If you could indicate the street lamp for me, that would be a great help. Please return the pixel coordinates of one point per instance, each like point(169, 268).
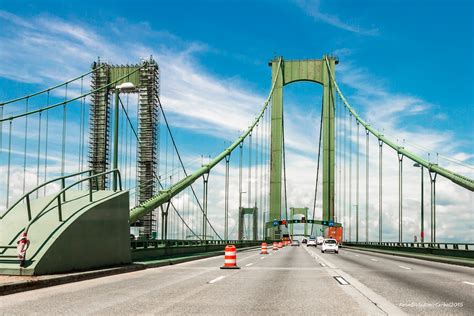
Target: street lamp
point(422, 235)
point(125, 87)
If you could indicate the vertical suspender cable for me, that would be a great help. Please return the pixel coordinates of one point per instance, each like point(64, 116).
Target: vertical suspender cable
point(350, 177)
point(226, 216)
point(9, 162)
point(26, 141)
point(262, 139)
point(433, 206)
point(249, 188)
point(400, 197)
point(63, 149)
point(83, 128)
point(46, 145)
point(256, 167)
point(257, 182)
point(366, 185)
point(345, 177)
point(240, 179)
point(81, 131)
point(336, 157)
point(380, 190)
point(39, 152)
point(357, 185)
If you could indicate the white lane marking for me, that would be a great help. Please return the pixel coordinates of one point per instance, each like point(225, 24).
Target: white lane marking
point(406, 268)
point(356, 255)
point(470, 283)
point(374, 259)
point(216, 279)
point(341, 280)
point(322, 264)
point(248, 264)
point(262, 257)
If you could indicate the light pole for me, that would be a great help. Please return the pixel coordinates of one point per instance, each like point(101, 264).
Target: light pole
point(422, 234)
point(124, 87)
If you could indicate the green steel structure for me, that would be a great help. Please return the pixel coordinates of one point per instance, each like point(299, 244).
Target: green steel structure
point(144, 80)
point(299, 211)
point(251, 211)
point(285, 72)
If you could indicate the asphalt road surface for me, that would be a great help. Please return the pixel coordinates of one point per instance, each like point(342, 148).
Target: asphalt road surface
point(293, 280)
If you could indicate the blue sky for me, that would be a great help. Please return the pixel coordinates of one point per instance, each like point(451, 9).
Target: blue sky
point(406, 66)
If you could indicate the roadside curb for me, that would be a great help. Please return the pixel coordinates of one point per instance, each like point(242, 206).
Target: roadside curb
point(455, 261)
point(53, 280)
point(6, 289)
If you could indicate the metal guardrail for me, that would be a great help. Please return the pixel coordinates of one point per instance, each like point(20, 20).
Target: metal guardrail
point(26, 196)
point(438, 245)
point(57, 197)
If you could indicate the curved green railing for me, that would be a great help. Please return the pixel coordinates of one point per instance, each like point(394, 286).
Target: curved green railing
point(166, 195)
point(26, 196)
point(454, 177)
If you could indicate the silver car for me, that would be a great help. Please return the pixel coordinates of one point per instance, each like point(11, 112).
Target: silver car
point(311, 241)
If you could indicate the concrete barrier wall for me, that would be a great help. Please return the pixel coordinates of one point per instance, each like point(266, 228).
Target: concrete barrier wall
point(458, 253)
point(165, 252)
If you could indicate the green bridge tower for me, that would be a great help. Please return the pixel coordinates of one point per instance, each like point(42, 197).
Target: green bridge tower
point(313, 70)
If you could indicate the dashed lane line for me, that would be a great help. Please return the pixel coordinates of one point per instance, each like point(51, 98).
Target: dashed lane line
point(403, 267)
point(216, 279)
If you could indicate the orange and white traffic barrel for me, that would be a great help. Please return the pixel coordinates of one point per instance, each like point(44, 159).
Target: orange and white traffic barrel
point(280, 245)
point(264, 249)
point(275, 246)
point(230, 258)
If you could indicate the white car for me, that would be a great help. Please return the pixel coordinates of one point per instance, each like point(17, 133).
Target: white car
point(319, 240)
point(330, 245)
point(311, 241)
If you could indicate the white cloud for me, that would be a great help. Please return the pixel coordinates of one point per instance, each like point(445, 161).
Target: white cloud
point(312, 8)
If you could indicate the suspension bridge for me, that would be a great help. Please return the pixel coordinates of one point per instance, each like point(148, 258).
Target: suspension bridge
point(94, 177)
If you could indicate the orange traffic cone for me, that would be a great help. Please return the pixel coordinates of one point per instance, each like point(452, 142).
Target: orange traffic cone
point(275, 246)
point(230, 258)
point(280, 245)
point(264, 249)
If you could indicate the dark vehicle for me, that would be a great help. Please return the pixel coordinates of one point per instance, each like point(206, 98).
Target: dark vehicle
point(295, 243)
point(304, 240)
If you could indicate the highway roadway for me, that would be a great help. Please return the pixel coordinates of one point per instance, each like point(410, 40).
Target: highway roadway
point(293, 280)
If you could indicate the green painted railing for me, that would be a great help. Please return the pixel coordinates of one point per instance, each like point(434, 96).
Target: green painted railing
point(26, 196)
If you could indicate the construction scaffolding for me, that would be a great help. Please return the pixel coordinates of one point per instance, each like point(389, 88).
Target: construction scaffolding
point(148, 147)
point(99, 119)
point(147, 83)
